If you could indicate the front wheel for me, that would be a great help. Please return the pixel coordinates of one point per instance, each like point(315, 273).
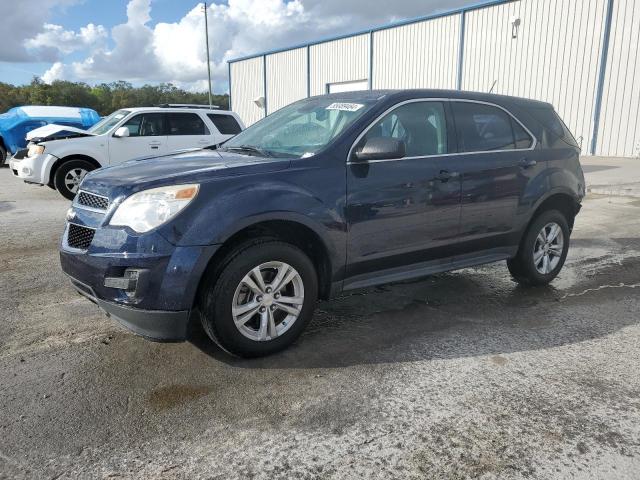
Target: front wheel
point(262, 299)
point(543, 250)
point(69, 175)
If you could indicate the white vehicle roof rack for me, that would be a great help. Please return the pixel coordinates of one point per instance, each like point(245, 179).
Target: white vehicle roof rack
point(188, 105)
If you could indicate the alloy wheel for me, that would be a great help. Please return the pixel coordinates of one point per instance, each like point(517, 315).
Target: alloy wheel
point(548, 248)
point(73, 178)
point(268, 301)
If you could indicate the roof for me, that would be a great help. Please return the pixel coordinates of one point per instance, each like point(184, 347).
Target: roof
point(178, 110)
point(447, 13)
point(434, 93)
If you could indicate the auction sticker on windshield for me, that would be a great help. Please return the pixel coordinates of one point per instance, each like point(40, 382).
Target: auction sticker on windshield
point(346, 107)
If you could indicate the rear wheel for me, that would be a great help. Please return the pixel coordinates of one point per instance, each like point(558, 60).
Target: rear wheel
point(69, 176)
point(261, 300)
point(543, 250)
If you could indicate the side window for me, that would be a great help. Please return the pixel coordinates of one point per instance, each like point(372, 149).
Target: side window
point(483, 128)
point(133, 125)
point(421, 125)
point(186, 124)
point(146, 125)
point(225, 124)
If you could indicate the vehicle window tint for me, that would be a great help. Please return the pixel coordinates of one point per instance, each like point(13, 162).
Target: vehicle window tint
point(549, 119)
point(146, 125)
point(483, 128)
point(523, 139)
point(421, 125)
point(186, 124)
point(225, 124)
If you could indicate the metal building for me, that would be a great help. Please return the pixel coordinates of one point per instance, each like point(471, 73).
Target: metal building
point(583, 56)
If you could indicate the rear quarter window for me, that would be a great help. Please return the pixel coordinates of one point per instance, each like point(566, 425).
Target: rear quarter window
point(226, 124)
point(549, 119)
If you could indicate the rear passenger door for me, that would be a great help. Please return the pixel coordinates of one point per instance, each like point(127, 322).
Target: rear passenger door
point(496, 162)
point(186, 130)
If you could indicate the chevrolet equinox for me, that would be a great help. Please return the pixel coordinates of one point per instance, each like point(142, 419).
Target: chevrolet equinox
point(328, 194)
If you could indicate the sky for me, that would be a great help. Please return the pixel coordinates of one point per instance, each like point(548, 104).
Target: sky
point(154, 41)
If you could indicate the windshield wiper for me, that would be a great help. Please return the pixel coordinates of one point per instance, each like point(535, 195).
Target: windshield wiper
point(249, 149)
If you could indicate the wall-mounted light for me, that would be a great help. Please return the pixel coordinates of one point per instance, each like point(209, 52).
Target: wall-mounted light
point(515, 26)
point(259, 101)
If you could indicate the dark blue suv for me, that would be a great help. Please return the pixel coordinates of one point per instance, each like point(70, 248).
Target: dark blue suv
point(328, 194)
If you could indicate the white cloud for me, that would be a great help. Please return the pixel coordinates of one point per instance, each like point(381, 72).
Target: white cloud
point(22, 20)
point(56, 72)
point(175, 52)
point(55, 40)
point(132, 57)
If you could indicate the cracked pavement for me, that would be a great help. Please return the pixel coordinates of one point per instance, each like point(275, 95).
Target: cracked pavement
point(461, 375)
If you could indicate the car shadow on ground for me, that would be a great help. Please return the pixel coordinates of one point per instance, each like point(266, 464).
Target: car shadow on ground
point(474, 312)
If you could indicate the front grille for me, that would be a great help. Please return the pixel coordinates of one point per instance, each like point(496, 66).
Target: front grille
point(93, 201)
point(80, 237)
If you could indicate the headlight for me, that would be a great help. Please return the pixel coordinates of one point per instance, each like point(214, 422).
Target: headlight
point(146, 210)
point(35, 150)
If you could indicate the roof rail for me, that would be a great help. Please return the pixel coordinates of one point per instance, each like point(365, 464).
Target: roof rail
point(187, 105)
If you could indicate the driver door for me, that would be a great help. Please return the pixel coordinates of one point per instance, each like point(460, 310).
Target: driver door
point(147, 137)
point(400, 211)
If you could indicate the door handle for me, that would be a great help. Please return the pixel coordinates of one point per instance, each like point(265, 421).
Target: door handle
point(445, 175)
point(527, 163)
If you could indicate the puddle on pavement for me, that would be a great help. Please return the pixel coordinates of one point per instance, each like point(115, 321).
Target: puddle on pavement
point(6, 206)
point(165, 398)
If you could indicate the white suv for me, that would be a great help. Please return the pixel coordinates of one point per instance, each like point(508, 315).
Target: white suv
point(60, 156)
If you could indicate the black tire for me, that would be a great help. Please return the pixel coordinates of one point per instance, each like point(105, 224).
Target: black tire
point(219, 287)
point(64, 169)
point(523, 267)
point(3, 156)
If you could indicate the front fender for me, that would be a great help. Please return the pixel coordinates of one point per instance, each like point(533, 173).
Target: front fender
point(217, 215)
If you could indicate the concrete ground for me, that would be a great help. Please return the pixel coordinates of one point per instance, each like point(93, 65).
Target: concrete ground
point(462, 375)
point(613, 176)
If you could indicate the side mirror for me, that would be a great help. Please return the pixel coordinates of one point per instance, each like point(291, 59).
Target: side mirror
point(121, 132)
point(380, 148)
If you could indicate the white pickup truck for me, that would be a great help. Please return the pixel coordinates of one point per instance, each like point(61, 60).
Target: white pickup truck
point(60, 156)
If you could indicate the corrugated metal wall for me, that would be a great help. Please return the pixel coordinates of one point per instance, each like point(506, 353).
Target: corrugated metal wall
point(620, 120)
point(285, 89)
point(247, 84)
point(341, 60)
point(555, 57)
point(420, 55)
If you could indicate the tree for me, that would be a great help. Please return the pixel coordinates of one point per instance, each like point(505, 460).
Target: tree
point(105, 98)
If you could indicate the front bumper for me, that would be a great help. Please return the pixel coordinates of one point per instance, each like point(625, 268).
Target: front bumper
point(34, 169)
point(158, 306)
point(152, 324)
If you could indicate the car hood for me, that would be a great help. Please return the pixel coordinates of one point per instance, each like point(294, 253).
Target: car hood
point(187, 167)
point(55, 132)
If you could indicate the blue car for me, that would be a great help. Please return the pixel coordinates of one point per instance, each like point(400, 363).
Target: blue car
point(17, 122)
point(326, 195)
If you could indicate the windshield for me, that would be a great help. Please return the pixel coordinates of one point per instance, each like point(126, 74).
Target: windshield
point(107, 123)
point(300, 129)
